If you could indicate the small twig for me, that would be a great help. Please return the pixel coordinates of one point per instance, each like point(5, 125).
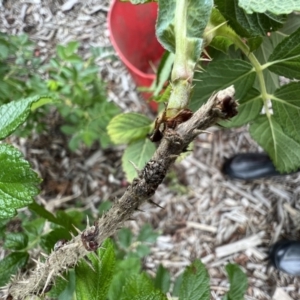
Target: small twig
point(280, 294)
point(292, 211)
point(200, 226)
point(219, 106)
point(240, 245)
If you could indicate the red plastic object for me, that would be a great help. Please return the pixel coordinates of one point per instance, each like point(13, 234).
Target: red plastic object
point(132, 33)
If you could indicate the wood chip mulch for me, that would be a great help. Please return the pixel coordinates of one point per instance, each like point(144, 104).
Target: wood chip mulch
point(205, 215)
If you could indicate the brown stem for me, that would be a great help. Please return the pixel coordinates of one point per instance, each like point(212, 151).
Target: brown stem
point(219, 106)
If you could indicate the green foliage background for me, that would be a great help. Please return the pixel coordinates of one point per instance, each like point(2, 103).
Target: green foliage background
point(249, 51)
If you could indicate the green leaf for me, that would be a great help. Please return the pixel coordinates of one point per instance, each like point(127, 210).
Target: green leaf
point(286, 105)
point(177, 285)
point(212, 79)
point(18, 182)
point(142, 250)
point(3, 223)
point(275, 6)
point(262, 54)
point(254, 42)
point(189, 31)
point(68, 129)
point(43, 101)
point(42, 212)
point(238, 282)
point(195, 283)
point(94, 284)
point(125, 237)
point(73, 59)
point(58, 287)
point(213, 37)
point(75, 142)
point(163, 72)
point(162, 279)
point(165, 96)
point(147, 234)
point(190, 21)
point(249, 108)
point(62, 218)
point(140, 287)
point(14, 113)
point(49, 240)
point(61, 285)
point(124, 269)
point(68, 292)
point(291, 24)
point(76, 216)
point(221, 43)
point(196, 19)
point(34, 228)
point(285, 59)
point(139, 152)
point(10, 264)
point(127, 127)
point(248, 25)
point(4, 51)
point(165, 31)
point(65, 220)
point(15, 241)
point(61, 52)
point(283, 150)
point(102, 114)
point(71, 48)
point(54, 63)
point(104, 206)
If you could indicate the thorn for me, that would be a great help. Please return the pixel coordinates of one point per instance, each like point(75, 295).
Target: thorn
point(198, 80)
point(209, 59)
point(154, 203)
point(206, 54)
point(63, 260)
point(198, 131)
point(89, 264)
point(87, 221)
point(206, 131)
point(62, 277)
point(135, 167)
point(95, 254)
point(47, 282)
point(36, 261)
point(44, 254)
point(205, 59)
point(78, 230)
point(214, 29)
point(23, 281)
point(173, 156)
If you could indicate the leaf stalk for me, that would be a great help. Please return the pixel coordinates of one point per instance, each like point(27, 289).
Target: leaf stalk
point(253, 60)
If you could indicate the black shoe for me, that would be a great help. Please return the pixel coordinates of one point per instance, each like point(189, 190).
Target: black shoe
point(249, 166)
